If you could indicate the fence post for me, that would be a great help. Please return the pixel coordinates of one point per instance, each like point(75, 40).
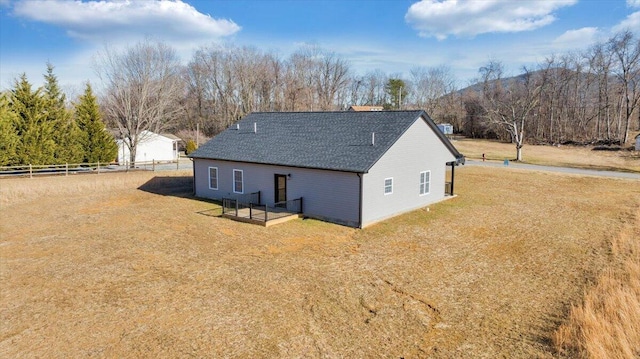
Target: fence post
point(236, 208)
point(301, 211)
point(30, 171)
point(98, 168)
point(66, 169)
point(266, 213)
point(250, 210)
point(153, 165)
point(178, 163)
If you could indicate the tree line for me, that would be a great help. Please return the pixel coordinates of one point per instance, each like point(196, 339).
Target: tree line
point(583, 97)
point(146, 88)
point(37, 127)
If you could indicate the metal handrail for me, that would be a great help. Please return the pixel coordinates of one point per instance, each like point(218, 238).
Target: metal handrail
point(234, 205)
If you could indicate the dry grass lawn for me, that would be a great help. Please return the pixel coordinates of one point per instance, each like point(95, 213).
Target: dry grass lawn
point(94, 266)
point(568, 156)
point(606, 324)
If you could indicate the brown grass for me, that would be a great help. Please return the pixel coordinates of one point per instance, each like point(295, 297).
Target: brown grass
point(607, 323)
point(567, 156)
point(93, 268)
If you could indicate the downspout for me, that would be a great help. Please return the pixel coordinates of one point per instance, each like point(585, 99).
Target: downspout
point(360, 202)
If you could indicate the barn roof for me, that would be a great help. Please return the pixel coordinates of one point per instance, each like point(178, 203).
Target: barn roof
point(340, 141)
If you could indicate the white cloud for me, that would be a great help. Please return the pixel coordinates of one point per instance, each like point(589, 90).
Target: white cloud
point(467, 18)
point(633, 3)
point(631, 23)
point(117, 21)
point(576, 39)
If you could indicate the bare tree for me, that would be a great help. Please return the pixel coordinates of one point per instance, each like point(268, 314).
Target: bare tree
point(430, 87)
point(626, 50)
point(509, 105)
point(331, 79)
point(374, 83)
point(143, 90)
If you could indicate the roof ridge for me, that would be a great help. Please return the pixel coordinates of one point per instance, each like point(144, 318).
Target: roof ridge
point(347, 112)
point(333, 140)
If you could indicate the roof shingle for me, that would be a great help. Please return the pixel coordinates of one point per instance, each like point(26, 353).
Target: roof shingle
point(338, 141)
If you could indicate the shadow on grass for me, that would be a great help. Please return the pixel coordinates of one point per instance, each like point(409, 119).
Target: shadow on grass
point(181, 187)
point(170, 186)
point(213, 212)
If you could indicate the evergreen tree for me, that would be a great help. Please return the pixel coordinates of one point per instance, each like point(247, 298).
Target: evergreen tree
point(8, 135)
point(98, 144)
point(36, 145)
point(66, 133)
point(397, 91)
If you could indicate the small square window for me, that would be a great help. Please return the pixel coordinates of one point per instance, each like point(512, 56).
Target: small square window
point(213, 177)
point(388, 186)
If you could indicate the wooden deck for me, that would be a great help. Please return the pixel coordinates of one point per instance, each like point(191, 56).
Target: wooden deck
point(257, 216)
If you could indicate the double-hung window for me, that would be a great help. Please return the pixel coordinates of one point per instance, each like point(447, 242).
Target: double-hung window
point(388, 186)
point(213, 177)
point(238, 183)
point(425, 179)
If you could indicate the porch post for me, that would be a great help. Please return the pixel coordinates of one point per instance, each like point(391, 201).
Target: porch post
point(453, 167)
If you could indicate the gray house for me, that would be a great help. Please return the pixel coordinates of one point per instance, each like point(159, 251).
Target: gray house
point(351, 168)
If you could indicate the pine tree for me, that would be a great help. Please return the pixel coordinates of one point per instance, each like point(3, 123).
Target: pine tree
point(66, 133)
point(36, 145)
point(8, 134)
point(98, 144)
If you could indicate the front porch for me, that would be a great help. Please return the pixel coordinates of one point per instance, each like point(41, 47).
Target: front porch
point(251, 211)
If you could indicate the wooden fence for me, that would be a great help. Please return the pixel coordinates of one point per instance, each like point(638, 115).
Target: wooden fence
point(78, 168)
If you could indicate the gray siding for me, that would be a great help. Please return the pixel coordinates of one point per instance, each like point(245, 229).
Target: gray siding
point(419, 149)
point(328, 195)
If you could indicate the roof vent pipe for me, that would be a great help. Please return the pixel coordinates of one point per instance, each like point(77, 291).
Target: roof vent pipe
point(373, 138)
point(255, 127)
point(237, 127)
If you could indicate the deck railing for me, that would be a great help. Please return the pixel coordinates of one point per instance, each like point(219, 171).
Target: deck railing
point(293, 206)
point(237, 207)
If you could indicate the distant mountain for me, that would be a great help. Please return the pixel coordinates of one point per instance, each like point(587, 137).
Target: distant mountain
point(478, 86)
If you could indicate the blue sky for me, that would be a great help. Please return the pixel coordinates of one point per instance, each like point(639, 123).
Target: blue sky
point(393, 36)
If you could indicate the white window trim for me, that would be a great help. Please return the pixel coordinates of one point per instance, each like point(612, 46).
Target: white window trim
point(427, 183)
point(241, 182)
point(385, 186)
point(217, 178)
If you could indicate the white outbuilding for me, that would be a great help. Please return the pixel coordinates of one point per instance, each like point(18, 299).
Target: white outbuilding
point(151, 147)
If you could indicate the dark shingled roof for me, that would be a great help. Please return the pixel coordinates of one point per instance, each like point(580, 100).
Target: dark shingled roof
point(339, 141)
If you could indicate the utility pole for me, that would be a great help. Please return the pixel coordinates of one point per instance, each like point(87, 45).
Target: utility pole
point(400, 98)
